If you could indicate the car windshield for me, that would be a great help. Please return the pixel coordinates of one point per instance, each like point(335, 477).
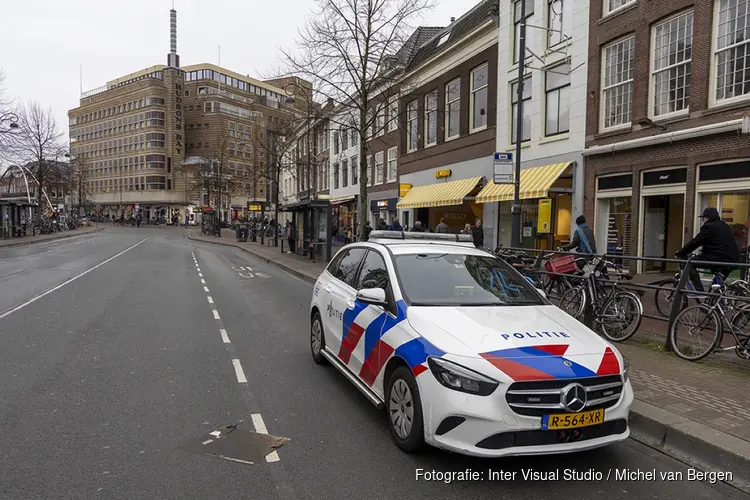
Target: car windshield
point(450, 279)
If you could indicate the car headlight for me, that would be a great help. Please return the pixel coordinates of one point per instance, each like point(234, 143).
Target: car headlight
point(460, 378)
point(625, 369)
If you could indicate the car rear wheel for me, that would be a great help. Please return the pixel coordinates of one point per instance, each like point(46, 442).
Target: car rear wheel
point(404, 407)
point(317, 339)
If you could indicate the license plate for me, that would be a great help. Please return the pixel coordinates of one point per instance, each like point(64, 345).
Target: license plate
point(572, 420)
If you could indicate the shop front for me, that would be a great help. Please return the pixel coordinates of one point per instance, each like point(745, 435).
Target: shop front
point(383, 206)
point(547, 201)
point(613, 219)
point(726, 187)
point(452, 201)
point(345, 220)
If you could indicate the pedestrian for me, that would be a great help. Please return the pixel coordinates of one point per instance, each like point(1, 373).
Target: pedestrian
point(418, 228)
point(442, 227)
point(477, 234)
point(583, 239)
point(395, 226)
point(717, 244)
point(382, 226)
point(368, 230)
point(466, 229)
point(290, 236)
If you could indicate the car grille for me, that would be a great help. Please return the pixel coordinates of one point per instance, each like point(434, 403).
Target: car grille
point(540, 397)
point(541, 438)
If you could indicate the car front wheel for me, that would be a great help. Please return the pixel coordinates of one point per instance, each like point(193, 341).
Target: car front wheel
point(404, 407)
point(317, 339)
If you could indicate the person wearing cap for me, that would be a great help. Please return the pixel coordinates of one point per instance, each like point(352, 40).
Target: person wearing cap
point(583, 238)
point(717, 244)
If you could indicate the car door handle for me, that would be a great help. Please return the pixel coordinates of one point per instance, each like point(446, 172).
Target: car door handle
point(350, 305)
point(327, 289)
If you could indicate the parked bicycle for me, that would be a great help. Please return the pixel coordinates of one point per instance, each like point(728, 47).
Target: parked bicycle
point(617, 312)
point(712, 317)
point(554, 285)
point(663, 298)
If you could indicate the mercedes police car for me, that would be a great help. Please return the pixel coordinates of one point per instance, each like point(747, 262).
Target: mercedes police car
point(462, 352)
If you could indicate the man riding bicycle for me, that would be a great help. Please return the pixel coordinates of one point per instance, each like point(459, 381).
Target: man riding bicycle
point(716, 240)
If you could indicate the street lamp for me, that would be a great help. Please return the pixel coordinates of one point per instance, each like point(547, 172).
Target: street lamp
point(11, 119)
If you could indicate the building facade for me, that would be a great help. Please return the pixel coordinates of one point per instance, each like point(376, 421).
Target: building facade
point(554, 125)
point(343, 163)
point(668, 92)
point(448, 119)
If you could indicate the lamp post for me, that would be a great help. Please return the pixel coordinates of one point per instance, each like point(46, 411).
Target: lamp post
point(515, 236)
point(11, 119)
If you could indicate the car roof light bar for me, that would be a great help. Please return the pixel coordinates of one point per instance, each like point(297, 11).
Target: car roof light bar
point(402, 235)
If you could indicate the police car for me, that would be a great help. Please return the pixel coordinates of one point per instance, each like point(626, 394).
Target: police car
point(462, 352)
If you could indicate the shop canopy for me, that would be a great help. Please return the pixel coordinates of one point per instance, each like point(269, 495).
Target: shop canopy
point(442, 194)
point(535, 183)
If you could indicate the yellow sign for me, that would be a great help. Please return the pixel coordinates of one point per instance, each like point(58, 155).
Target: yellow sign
point(440, 174)
point(545, 216)
point(403, 189)
point(254, 207)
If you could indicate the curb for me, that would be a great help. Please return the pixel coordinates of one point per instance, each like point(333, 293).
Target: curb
point(287, 269)
point(691, 442)
point(61, 237)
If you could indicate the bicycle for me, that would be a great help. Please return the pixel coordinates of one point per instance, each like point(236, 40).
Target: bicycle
point(617, 313)
point(552, 285)
point(663, 298)
point(712, 311)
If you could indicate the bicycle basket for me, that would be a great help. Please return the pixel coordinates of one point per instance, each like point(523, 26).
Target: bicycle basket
point(565, 264)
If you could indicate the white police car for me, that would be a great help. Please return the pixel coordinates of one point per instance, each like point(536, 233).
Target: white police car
point(462, 352)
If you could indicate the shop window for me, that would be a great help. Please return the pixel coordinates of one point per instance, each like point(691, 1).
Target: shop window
point(613, 224)
point(734, 209)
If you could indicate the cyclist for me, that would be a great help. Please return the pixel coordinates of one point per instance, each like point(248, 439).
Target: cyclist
point(716, 240)
point(583, 239)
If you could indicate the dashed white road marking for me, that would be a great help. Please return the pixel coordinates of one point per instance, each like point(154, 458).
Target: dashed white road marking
point(216, 314)
point(201, 275)
point(210, 299)
point(260, 426)
point(71, 280)
point(203, 282)
point(199, 269)
point(224, 336)
point(205, 288)
point(241, 376)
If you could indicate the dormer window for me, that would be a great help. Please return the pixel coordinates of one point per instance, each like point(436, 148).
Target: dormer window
point(444, 38)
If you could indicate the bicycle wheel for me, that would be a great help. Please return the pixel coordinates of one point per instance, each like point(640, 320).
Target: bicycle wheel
point(663, 298)
point(741, 329)
point(621, 316)
point(573, 302)
point(689, 326)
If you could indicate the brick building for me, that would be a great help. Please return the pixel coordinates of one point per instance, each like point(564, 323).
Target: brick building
point(669, 86)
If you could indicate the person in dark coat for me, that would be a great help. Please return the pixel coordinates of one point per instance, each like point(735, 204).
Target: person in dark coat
point(583, 238)
point(716, 240)
point(418, 228)
point(395, 226)
point(368, 230)
point(442, 227)
point(382, 225)
point(477, 233)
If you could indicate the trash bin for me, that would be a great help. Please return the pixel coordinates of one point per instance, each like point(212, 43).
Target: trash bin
point(242, 231)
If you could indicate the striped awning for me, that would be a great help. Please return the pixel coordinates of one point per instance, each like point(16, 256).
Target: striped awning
point(441, 194)
point(535, 183)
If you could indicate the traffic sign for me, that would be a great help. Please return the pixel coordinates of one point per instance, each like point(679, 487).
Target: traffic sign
point(503, 168)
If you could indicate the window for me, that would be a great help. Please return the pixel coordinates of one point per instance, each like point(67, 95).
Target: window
point(672, 45)
point(613, 5)
point(617, 88)
point(517, 24)
point(732, 49)
point(380, 122)
point(344, 173)
point(412, 126)
point(444, 38)
point(393, 114)
point(344, 139)
point(355, 137)
point(355, 169)
point(479, 97)
point(231, 129)
point(452, 108)
point(369, 170)
point(346, 270)
point(557, 89)
point(379, 167)
point(374, 273)
point(451, 279)
point(430, 118)
point(526, 111)
point(335, 143)
point(335, 176)
point(392, 162)
point(555, 33)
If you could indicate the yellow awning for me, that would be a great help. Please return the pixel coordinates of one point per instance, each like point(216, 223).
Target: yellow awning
point(535, 183)
point(441, 194)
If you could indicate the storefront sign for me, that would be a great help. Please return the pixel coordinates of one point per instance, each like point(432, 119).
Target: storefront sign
point(624, 181)
point(545, 216)
point(442, 174)
point(737, 170)
point(254, 207)
point(377, 205)
point(403, 189)
point(178, 117)
point(197, 210)
point(382, 203)
point(662, 177)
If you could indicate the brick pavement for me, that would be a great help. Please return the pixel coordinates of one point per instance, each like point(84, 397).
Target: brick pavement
point(28, 240)
point(713, 392)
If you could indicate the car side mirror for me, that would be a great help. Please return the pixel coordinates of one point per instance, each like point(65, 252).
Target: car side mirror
point(542, 292)
point(374, 296)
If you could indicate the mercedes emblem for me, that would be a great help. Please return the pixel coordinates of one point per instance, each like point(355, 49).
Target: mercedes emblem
point(575, 398)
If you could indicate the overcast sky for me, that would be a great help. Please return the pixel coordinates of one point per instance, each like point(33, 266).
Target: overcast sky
point(43, 43)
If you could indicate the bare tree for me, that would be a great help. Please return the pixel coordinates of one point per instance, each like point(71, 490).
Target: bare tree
point(78, 177)
point(8, 122)
point(347, 49)
point(38, 142)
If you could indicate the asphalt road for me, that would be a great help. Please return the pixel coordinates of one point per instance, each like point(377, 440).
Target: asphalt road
point(104, 380)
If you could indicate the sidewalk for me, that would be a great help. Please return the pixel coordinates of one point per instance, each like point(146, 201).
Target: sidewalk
point(698, 413)
point(30, 240)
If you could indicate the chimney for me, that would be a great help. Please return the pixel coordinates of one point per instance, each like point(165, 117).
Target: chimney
point(453, 19)
point(173, 60)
